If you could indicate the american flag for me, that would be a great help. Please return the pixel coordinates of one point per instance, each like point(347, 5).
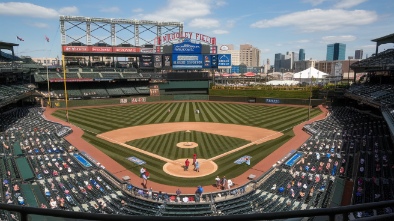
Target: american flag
point(46, 38)
point(19, 38)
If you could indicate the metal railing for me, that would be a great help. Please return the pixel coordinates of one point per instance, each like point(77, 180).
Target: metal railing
point(331, 213)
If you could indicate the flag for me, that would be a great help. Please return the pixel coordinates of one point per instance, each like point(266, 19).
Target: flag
point(46, 38)
point(19, 38)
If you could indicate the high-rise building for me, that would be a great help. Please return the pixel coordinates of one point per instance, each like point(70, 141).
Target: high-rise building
point(267, 66)
point(285, 62)
point(229, 49)
point(249, 55)
point(336, 52)
point(358, 54)
point(301, 55)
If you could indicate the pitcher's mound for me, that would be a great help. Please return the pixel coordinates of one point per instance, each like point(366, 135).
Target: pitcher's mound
point(187, 144)
point(176, 168)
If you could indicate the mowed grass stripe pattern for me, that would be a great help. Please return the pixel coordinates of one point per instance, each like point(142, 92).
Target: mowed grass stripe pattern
point(99, 120)
point(209, 145)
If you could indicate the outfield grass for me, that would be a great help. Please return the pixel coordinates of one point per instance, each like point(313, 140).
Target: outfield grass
point(209, 145)
point(99, 120)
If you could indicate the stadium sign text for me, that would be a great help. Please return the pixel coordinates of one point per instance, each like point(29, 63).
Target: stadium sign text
point(182, 35)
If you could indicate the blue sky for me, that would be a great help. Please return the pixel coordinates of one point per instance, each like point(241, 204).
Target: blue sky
point(272, 26)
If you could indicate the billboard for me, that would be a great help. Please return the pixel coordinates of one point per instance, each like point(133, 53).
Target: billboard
point(157, 61)
point(214, 61)
point(95, 49)
point(207, 61)
point(146, 61)
point(186, 47)
point(167, 60)
point(224, 60)
point(192, 61)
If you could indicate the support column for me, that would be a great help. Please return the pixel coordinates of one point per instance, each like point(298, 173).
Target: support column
point(88, 36)
point(62, 33)
point(113, 34)
point(136, 35)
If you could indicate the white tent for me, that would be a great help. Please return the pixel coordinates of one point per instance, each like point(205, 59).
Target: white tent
point(307, 74)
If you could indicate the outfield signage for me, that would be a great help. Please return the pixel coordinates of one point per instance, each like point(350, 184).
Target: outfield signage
point(138, 100)
point(186, 48)
point(180, 61)
point(185, 35)
point(272, 101)
point(71, 80)
point(224, 60)
point(95, 49)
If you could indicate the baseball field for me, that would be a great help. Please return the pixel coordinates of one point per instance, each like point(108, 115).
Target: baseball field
point(221, 132)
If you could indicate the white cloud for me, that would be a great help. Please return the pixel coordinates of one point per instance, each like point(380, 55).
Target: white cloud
point(220, 3)
point(72, 10)
point(39, 25)
point(303, 41)
point(220, 32)
point(314, 2)
point(278, 45)
point(319, 19)
point(204, 23)
point(110, 9)
point(368, 46)
point(31, 10)
point(137, 10)
point(342, 38)
point(348, 3)
point(180, 10)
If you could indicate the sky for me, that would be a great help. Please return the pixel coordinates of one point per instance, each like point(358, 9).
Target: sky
point(272, 26)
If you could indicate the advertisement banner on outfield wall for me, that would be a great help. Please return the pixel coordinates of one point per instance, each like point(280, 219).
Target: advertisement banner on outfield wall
point(138, 100)
point(182, 61)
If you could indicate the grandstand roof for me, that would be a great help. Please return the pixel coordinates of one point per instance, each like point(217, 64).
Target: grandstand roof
point(7, 45)
point(385, 39)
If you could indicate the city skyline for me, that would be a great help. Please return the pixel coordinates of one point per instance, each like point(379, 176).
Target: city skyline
point(272, 27)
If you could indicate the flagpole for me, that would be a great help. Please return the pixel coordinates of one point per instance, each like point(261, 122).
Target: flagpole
point(49, 94)
point(65, 86)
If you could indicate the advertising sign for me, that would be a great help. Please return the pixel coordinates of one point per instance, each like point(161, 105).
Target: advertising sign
point(338, 69)
point(214, 61)
point(75, 49)
point(146, 61)
point(167, 60)
point(192, 61)
point(125, 49)
point(186, 48)
point(224, 60)
point(207, 61)
point(158, 61)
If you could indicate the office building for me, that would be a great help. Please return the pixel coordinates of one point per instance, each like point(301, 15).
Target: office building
point(336, 52)
point(301, 55)
point(249, 55)
point(303, 65)
point(358, 54)
point(285, 62)
point(267, 66)
point(230, 49)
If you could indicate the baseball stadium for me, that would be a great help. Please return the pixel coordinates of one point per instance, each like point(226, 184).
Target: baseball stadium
point(135, 127)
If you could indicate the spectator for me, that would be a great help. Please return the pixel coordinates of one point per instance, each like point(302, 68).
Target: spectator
point(178, 192)
point(217, 179)
point(229, 184)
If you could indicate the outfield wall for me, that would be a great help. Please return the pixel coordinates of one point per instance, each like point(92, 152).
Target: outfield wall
point(145, 99)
